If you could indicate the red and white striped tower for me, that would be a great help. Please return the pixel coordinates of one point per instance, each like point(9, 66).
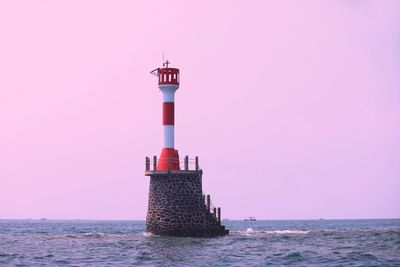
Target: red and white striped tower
point(168, 83)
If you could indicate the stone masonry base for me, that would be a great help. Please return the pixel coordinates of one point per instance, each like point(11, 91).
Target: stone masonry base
point(177, 208)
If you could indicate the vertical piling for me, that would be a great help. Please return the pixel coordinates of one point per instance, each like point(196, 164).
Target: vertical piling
point(147, 164)
point(186, 163)
point(154, 163)
point(219, 215)
point(197, 163)
point(215, 213)
point(208, 202)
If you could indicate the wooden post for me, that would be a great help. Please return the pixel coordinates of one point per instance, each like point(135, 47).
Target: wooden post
point(147, 164)
point(203, 197)
point(186, 163)
point(219, 215)
point(197, 163)
point(154, 163)
point(215, 213)
point(208, 202)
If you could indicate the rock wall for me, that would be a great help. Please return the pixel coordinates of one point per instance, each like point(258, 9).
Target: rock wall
point(176, 206)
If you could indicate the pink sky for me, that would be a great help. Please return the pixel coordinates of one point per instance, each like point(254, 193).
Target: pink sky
point(292, 106)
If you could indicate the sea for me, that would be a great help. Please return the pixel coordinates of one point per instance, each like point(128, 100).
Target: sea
point(250, 243)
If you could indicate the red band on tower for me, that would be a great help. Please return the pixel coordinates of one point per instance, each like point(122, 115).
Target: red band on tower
point(168, 113)
point(169, 160)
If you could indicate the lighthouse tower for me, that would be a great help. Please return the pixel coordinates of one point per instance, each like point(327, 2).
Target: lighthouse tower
point(177, 205)
point(168, 83)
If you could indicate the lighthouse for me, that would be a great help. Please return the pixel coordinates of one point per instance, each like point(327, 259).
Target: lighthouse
point(177, 205)
point(168, 83)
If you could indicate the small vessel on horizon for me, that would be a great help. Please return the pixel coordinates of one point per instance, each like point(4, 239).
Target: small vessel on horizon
point(250, 219)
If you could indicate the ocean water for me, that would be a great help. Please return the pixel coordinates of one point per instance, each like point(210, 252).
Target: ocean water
point(259, 243)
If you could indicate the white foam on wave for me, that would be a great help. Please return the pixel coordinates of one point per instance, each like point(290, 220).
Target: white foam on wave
point(94, 234)
point(287, 232)
point(251, 231)
point(147, 234)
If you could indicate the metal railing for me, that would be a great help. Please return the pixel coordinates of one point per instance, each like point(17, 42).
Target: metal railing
point(151, 164)
point(215, 211)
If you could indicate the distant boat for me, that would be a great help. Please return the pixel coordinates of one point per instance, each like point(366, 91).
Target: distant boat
point(250, 219)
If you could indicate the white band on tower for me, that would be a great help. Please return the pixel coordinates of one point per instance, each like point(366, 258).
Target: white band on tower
point(168, 93)
point(169, 136)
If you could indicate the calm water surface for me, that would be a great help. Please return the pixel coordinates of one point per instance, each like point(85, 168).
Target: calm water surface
point(260, 243)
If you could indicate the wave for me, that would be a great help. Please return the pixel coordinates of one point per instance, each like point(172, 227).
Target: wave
point(147, 234)
point(101, 235)
point(288, 232)
point(251, 231)
point(94, 234)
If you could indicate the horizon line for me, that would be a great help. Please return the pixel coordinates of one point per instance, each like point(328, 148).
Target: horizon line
point(225, 219)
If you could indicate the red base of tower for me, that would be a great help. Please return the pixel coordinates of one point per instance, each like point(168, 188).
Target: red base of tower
point(169, 160)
